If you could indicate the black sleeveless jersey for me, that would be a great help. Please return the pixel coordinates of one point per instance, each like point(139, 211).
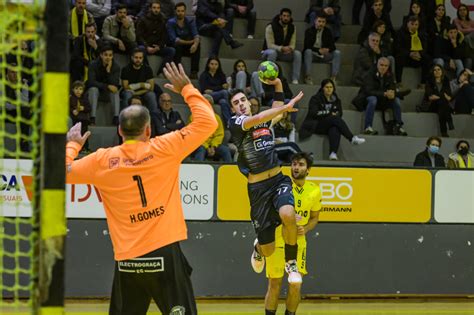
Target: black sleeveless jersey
point(256, 146)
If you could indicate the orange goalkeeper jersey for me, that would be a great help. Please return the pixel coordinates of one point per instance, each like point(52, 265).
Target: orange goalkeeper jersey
point(139, 182)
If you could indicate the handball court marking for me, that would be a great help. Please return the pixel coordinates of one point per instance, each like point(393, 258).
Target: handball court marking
point(227, 307)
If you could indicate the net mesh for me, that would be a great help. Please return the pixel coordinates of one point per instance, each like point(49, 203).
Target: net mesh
point(21, 67)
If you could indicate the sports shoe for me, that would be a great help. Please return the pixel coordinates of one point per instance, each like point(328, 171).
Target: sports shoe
point(402, 132)
point(370, 131)
point(249, 36)
point(257, 260)
point(294, 82)
point(333, 156)
point(357, 140)
point(308, 80)
point(291, 269)
point(235, 44)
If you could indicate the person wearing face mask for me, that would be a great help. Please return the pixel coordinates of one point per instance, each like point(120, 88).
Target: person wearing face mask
point(463, 158)
point(430, 156)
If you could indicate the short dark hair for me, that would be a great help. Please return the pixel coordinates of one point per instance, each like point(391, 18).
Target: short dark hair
point(134, 97)
point(133, 120)
point(461, 142)
point(287, 10)
point(322, 15)
point(233, 93)
point(121, 6)
point(91, 24)
point(78, 83)
point(105, 47)
point(180, 4)
point(413, 18)
point(137, 50)
point(303, 155)
point(434, 138)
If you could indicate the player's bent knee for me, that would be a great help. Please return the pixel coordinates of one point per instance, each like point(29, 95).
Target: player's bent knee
point(287, 215)
point(267, 249)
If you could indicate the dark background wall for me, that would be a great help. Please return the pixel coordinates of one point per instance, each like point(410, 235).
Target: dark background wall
point(343, 258)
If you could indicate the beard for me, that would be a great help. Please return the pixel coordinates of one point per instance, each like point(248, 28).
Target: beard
point(298, 175)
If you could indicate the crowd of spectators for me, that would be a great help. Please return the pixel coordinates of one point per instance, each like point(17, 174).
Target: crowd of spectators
point(99, 30)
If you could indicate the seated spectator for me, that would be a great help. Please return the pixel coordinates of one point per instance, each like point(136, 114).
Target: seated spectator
point(429, 7)
point(137, 80)
point(430, 156)
point(213, 81)
point(135, 8)
point(329, 8)
point(168, 9)
point(465, 25)
point(214, 148)
point(386, 40)
point(119, 30)
point(80, 108)
point(416, 10)
point(451, 51)
point(168, 119)
point(436, 26)
point(463, 93)
point(437, 98)
point(152, 35)
point(284, 133)
point(103, 82)
point(325, 118)
point(265, 92)
point(366, 58)
point(375, 13)
point(14, 90)
point(240, 78)
point(254, 105)
point(411, 50)
point(212, 21)
point(99, 9)
point(78, 19)
point(183, 35)
point(357, 6)
point(85, 49)
point(463, 157)
point(280, 42)
point(243, 9)
point(379, 91)
point(319, 46)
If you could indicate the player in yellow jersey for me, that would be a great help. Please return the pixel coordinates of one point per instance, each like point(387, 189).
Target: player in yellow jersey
point(307, 206)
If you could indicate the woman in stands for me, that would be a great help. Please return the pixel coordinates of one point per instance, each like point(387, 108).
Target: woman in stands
point(213, 81)
point(463, 93)
point(463, 157)
point(240, 78)
point(465, 24)
point(436, 26)
point(325, 118)
point(437, 97)
point(416, 10)
point(284, 133)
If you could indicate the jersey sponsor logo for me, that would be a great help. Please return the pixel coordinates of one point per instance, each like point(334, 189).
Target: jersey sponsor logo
point(240, 120)
point(260, 133)
point(142, 265)
point(114, 162)
point(261, 144)
point(147, 215)
point(131, 162)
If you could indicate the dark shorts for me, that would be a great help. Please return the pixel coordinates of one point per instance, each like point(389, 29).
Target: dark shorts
point(266, 198)
point(162, 275)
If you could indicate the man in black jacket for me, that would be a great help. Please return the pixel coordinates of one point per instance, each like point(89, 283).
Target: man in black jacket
point(379, 91)
point(331, 9)
point(212, 21)
point(430, 156)
point(104, 80)
point(319, 47)
point(411, 50)
point(280, 42)
point(85, 49)
point(168, 119)
point(375, 12)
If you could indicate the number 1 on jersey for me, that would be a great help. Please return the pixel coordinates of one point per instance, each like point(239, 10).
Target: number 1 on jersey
point(138, 179)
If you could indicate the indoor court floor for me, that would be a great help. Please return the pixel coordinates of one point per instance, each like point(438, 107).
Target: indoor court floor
point(307, 307)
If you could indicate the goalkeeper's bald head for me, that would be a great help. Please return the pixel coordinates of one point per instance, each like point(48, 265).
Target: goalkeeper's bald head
point(134, 122)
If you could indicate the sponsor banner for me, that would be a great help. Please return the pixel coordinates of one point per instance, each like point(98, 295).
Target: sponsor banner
point(348, 194)
point(454, 200)
point(84, 200)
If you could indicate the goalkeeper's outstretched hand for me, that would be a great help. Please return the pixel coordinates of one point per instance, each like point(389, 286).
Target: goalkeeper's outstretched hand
point(74, 134)
point(177, 77)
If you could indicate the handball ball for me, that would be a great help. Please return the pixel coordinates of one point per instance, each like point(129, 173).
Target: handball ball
point(267, 71)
